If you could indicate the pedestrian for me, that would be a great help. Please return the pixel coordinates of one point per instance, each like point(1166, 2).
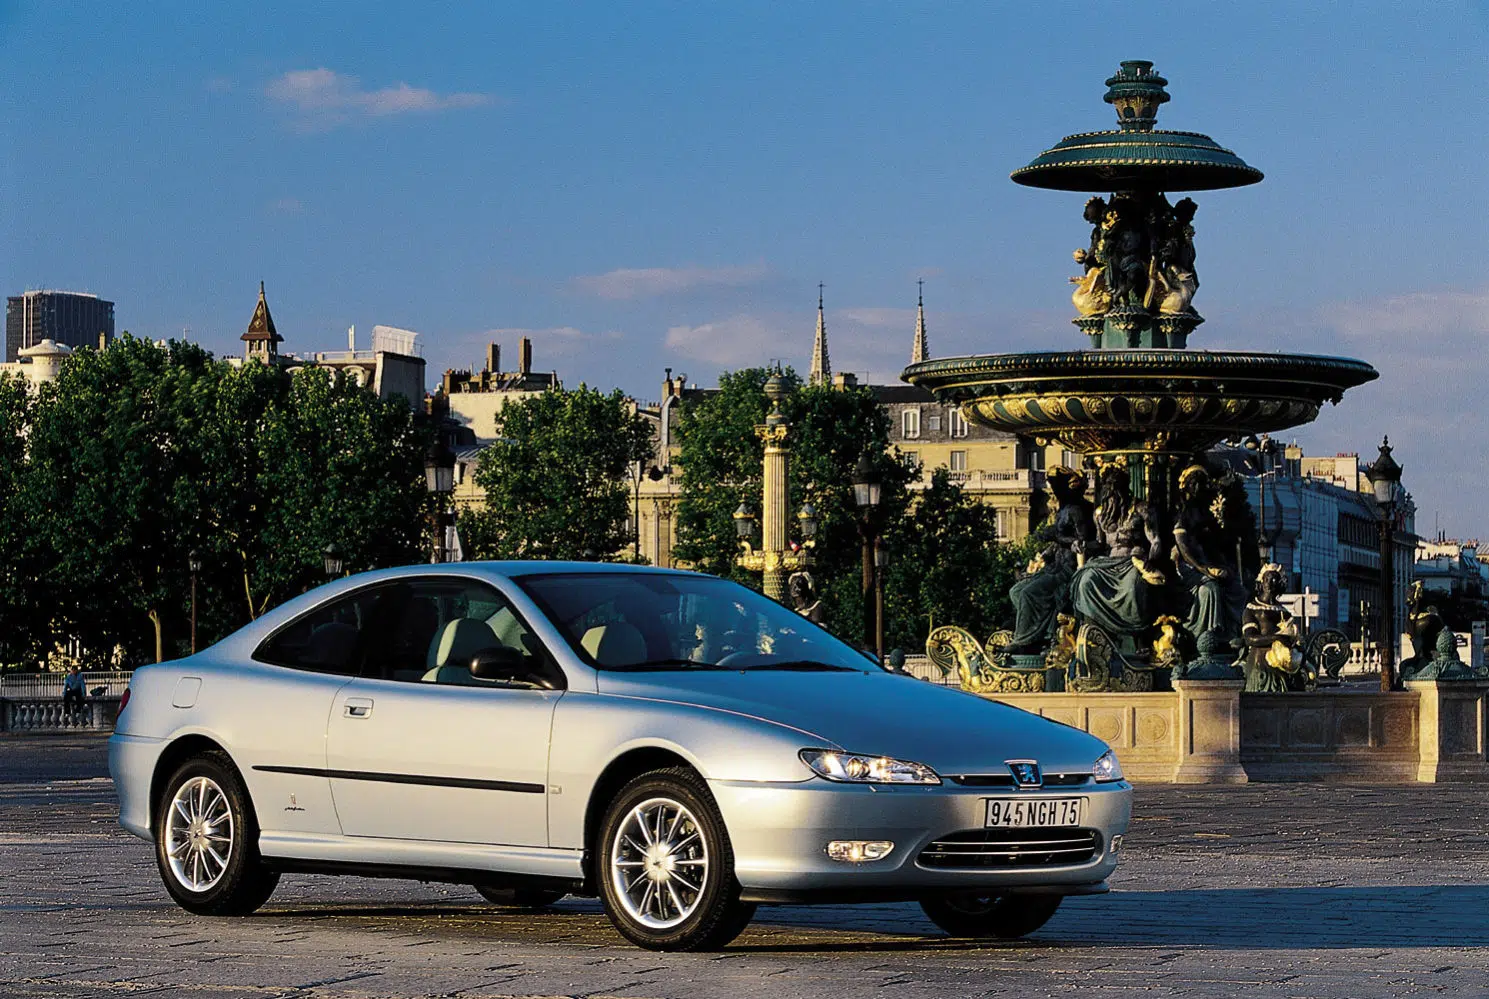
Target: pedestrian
point(72, 689)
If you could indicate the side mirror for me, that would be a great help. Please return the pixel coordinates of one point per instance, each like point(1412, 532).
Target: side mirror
point(507, 665)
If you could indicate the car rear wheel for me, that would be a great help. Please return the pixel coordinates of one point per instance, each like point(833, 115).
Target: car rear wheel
point(520, 898)
point(206, 840)
point(1007, 916)
point(665, 868)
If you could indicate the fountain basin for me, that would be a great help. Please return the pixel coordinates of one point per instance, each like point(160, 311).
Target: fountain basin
point(1154, 400)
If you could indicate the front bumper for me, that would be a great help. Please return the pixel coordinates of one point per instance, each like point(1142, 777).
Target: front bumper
point(779, 834)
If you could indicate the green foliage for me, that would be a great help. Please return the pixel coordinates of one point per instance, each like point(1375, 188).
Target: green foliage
point(138, 455)
point(556, 477)
point(721, 458)
point(948, 567)
point(21, 619)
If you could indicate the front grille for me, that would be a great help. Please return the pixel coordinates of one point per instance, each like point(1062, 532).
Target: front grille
point(1006, 780)
point(984, 848)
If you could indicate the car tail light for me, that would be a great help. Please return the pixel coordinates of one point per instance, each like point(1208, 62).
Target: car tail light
point(124, 700)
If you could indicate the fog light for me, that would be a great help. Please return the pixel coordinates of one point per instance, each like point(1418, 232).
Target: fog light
point(856, 851)
point(1116, 844)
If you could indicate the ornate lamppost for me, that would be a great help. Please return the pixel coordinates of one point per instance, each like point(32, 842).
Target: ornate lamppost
point(868, 490)
point(774, 559)
point(194, 564)
point(331, 561)
point(439, 480)
point(1385, 480)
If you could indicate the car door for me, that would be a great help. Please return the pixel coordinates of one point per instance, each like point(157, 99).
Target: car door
point(281, 741)
point(420, 749)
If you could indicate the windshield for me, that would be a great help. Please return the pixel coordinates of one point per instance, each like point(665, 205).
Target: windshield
point(643, 621)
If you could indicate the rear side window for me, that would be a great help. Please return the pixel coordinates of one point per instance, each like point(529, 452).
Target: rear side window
point(328, 639)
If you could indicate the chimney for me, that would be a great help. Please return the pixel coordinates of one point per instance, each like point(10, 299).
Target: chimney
point(103, 340)
point(525, 356)
point(493, 357)
point(351, 339)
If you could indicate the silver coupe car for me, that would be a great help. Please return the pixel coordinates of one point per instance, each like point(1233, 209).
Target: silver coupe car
point(674, 743)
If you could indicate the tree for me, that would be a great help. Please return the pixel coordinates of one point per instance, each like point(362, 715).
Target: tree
point(949, 567)
point(721, 459)
point(21, 623)
point(112, 478)
point(555, 477)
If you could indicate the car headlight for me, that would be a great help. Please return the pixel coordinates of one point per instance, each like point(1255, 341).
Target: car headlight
point(856, 768)
point(1107, 769)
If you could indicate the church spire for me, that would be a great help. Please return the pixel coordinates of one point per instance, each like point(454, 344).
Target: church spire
point(921, 350)
point(821, 371)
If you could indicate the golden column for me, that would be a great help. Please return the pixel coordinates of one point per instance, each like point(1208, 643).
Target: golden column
point(774, 559)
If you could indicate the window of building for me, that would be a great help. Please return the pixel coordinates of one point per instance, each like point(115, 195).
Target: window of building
point(329, 638)
point(933, 423)
point(958, 461)
point(957, 423)
point(1002, 517)
point(910, 423)
point(911, 459)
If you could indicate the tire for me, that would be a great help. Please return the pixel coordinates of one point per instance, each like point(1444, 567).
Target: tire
point(216, 869)
point(1006, 916)
point(520, 898)
point(659, 833)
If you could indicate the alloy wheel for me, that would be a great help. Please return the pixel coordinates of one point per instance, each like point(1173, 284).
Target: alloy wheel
point(199, 834)
point(659, 863)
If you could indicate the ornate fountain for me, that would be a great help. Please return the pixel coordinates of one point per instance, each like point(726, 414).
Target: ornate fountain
point(1156, 574)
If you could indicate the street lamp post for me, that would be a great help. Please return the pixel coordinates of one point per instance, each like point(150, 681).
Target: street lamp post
point(868, 490)
point(331, 561)
point(774, 560)
point(439, 480)
point(881, 566)
point(1385, 480)
point(194, 564)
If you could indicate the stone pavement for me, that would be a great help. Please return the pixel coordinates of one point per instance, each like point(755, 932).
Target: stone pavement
point(1257, 891)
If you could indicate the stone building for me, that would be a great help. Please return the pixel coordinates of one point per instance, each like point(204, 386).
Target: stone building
point(391, 367)
point(39, 363)
point(475, 397)
point(1317, 518)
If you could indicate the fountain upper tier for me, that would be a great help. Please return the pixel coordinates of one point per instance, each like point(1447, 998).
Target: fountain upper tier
point(1135, 156)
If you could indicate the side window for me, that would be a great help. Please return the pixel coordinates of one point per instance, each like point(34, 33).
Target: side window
point(327, 639)
point(441, 625)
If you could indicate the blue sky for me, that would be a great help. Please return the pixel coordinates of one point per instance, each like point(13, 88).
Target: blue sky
point(645, 185)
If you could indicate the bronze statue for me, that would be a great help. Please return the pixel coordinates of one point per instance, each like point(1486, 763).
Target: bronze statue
point(1116, 591)
point(1206, 560)
point(1043, 593)
point(1273, 662)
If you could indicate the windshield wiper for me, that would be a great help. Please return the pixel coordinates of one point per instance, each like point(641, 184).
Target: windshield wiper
point(805, 666)
point(657, 664)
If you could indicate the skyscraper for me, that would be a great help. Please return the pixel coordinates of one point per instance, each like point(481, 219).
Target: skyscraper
point(74, 318)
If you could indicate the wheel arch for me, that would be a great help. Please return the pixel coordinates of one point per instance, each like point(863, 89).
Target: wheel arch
point(176, 753)
point(617, 774)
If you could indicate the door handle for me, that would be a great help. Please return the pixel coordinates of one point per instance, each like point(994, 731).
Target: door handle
point(358, 707)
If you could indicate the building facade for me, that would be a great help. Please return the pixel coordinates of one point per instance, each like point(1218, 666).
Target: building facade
point(75, 319)
point(476, 397)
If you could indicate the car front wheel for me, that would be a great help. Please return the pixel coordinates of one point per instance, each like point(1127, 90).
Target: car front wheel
point(206, 840)
point(1007, 916)
point(665, 867)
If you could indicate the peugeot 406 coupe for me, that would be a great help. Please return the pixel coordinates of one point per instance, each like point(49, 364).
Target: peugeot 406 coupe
point(676, 744)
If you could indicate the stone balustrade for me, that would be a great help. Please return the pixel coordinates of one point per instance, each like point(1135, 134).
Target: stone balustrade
point(50, 715)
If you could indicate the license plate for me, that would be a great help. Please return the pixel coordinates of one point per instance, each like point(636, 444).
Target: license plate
point(1020, 812)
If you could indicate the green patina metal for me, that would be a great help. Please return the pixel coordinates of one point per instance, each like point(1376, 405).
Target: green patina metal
point(1162, 575)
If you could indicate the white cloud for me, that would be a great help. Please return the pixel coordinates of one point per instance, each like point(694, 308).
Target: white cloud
point(648, 282)
point(1421, 314)
point(738, 341)
point(325, 98)
point(879, 318)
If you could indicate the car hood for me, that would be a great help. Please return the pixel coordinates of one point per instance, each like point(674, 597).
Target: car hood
point(881, 713)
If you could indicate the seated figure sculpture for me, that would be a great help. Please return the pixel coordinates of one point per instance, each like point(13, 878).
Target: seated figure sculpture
point(1044, 592)
point(1273, 663)
point(1116, 591)
point(1205, 560)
